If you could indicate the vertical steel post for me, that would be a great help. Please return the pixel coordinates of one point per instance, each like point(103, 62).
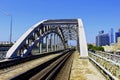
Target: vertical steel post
point(47, 43)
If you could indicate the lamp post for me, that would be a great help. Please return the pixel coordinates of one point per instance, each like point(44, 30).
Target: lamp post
point(7, 14)
point(10, 29)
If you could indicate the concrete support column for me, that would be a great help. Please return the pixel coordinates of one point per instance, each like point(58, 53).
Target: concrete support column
point(40, 43)
point(58, 42)
point(47, 43)
point(34, 36)
point(51, 42)
point(62, 45)
point(27, 42)
point(40, 32)
point(44, 29)
point(54, 42)
point(40, 47)
point(47, 28)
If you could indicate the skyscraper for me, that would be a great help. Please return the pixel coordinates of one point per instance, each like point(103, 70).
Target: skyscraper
point(117, 34)
point(111, 36)
point(102, 39)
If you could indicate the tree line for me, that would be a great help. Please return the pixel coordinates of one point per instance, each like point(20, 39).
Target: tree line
point(92, 47)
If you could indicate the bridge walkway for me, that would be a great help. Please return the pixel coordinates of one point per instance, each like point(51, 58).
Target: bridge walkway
point(83, 69)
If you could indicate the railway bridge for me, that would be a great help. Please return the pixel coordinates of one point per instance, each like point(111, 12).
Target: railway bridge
point(42, 52)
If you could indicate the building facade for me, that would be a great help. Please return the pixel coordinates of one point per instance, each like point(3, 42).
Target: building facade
point(117, 34)
point(111, 36)
point(102, 39)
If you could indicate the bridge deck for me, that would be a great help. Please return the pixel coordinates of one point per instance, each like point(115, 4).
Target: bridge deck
point(21, 68)
point(82, 69)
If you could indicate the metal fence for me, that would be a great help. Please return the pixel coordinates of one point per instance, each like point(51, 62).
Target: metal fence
point(109, 63)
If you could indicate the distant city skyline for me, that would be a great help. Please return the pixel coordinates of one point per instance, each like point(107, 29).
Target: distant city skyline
point(106, 38)
point(96, 15)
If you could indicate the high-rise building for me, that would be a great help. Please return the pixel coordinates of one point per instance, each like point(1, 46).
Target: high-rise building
point(102, 39)
point(117, 34)
point(111, 36)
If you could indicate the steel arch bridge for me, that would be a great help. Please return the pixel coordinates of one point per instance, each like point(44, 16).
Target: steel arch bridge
point(56, 32)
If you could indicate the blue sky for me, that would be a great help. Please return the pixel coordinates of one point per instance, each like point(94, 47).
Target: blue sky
point(96, 15)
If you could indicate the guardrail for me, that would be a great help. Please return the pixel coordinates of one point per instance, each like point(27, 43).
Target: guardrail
point(114, 57)
point(110, 68)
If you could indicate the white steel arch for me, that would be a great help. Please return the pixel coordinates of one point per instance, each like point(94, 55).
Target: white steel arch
point(82, 39)
point(48, 26)
point(14, 48)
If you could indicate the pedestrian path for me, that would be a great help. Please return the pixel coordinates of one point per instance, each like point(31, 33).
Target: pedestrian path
point(83, 69)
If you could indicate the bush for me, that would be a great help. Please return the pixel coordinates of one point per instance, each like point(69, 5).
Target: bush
point(91, 47)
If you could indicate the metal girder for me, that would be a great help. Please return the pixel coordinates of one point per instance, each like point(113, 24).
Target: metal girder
point(27, 41)
point(66, 29)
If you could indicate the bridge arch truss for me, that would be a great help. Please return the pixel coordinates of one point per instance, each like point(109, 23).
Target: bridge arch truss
point(62, 30)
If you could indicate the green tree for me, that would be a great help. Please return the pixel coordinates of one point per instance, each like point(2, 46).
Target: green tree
point(91, 47)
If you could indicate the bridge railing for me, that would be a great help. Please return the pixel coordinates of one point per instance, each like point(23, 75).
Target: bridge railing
point(115, 58)
point(108, 63)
